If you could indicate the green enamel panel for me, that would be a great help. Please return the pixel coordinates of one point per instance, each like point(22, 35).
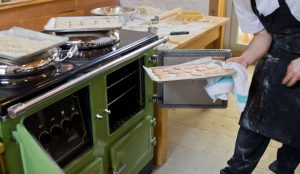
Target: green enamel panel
point(134, 150)
point(94, 168)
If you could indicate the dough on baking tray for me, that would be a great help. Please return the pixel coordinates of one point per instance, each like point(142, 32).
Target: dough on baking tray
point(87, 23)
point(174, 71)
point(199, 68)
point(188, 66)
point(182, 75)
point(161, 73)
point(212, 66)
point(197, 73)
point(167, 69)
point(189, 70)
point(14, 45)
point(157, 71)
point(165, 76)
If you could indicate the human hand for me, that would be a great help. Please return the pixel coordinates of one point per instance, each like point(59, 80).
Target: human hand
point(292, 74)
point(239, 60)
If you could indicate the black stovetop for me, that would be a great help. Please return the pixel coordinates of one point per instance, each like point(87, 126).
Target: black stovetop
point(82, 62)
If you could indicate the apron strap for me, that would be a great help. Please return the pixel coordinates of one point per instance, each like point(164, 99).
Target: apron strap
point(254, 8)
point(281, 2)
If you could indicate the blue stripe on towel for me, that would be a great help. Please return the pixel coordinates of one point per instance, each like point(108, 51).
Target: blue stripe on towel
point(226, 79)
point(241, 98)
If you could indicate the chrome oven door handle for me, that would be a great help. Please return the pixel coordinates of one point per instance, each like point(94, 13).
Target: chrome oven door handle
point(120, 170)
point(19, 108)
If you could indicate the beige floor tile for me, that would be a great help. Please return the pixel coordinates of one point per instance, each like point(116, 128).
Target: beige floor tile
point(184, 160)
point(268, 157)
point(276, 144)
point(188, 117)
point(261, 171)
point(221, 146)
point(189, 137)
point(219, 124)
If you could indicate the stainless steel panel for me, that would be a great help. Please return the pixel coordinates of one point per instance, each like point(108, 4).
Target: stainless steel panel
point(187, 93)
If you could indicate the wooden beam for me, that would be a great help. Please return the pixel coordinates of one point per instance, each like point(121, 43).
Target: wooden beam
point(217, 8)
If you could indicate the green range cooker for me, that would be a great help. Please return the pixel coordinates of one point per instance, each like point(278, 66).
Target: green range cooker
point(91, 114)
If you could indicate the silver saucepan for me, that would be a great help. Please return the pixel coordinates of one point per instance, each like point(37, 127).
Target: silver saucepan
point(125, 12)
point(38, 63)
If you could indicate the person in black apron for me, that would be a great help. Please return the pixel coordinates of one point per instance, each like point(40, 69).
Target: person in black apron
point(273, 107)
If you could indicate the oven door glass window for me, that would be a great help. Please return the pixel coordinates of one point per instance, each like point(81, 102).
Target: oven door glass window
point(125, 93)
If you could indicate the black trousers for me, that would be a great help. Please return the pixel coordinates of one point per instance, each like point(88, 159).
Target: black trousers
point(250, 147)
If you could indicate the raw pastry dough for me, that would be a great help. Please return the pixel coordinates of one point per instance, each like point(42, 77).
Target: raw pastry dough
point(86, 23)
point(186, 71)
point(197, 73)
point(165, 76)
point(13, 45)
point(174, 71)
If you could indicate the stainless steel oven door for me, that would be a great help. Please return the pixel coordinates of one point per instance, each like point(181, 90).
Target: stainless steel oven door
point(187, 93)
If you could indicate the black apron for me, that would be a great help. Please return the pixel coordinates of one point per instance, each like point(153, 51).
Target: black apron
point(273, 109)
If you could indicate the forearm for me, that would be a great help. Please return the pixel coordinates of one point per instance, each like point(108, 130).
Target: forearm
point(258, 47)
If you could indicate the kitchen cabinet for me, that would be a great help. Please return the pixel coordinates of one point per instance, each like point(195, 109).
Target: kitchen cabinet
point(34, 14)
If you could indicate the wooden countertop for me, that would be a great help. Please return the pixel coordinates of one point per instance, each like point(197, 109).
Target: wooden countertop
point(179, 41)
point(197, 30)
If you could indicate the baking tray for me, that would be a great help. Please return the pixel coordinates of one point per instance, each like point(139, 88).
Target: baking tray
point(189, 76)
point(25, 38)
point(84, 23)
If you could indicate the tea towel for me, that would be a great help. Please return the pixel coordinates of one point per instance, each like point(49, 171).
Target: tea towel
point(220, 87)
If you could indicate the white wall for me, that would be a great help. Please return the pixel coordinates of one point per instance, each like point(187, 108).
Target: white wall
point(192, 5)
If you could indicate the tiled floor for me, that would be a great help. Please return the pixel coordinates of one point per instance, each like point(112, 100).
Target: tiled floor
point(202, 140)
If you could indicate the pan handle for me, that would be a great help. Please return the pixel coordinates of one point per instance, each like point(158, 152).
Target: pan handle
point(19, 108)
point(72, 51)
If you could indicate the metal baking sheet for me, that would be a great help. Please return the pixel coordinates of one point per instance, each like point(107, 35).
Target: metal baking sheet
point(15, 50)
point(84, 23)
point(188, 76)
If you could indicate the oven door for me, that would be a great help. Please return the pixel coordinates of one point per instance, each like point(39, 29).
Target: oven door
point(30, 149)
point(135, 149)
point(187, 93)
point(35, 159)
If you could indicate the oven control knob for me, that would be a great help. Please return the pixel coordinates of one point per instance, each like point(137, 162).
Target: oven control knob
point(45, 137)
point(55, 131)
point(66, 124)
point(76, 118)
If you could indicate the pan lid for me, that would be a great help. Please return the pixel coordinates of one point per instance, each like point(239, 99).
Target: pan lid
point(91, 40)
point(14, 69)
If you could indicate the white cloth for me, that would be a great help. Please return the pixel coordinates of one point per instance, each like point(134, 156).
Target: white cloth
point(220, 87)
point(248, 21)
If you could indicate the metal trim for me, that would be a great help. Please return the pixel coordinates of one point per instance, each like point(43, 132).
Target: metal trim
point(226, 53)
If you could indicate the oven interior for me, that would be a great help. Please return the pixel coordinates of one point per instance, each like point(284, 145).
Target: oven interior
point(125, 93)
